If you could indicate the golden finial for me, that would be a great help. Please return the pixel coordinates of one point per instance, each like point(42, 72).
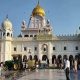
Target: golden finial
point(38, 2)
point(7, 16)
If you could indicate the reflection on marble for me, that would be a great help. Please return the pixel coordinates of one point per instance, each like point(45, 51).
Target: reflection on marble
point(43, 74)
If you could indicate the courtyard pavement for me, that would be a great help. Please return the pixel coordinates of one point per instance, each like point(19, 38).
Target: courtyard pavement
point(42, 74)
point(45, 74)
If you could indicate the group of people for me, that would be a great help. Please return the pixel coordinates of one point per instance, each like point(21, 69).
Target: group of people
point(32, 64)
point(67, 67)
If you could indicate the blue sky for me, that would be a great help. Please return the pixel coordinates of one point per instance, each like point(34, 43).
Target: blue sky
point(64, 15)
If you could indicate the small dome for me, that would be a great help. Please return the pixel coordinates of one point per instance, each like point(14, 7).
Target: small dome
point(6, 24)
point(38, 10)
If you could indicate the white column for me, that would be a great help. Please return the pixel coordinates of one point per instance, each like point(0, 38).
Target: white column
point(7, 45)
point(39, 52)
point(2, 52)
point(50, 53)
point(44, 22)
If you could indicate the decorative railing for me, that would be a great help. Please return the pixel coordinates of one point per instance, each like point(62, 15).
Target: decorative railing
point(44, 37)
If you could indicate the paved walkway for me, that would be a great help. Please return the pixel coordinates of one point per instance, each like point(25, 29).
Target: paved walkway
point(42, 74)
point(45, 75)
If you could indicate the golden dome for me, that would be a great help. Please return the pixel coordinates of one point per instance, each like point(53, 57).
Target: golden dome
point(7, 24)
point(38, 10)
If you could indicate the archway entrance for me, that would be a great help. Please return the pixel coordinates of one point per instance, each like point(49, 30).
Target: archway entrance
point(44, 57)
point(76, 57)
point(59, 61)
point(30, 57)
point(24, 58)
point(53, 59)
point(36, 58)
point(45, 61)
point(71, 59)
point(64, 57)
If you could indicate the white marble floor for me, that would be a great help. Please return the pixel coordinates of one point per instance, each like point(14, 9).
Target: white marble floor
point(45, 75)
point(41, 74)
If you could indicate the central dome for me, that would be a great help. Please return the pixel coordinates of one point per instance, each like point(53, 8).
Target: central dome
point(38, 10)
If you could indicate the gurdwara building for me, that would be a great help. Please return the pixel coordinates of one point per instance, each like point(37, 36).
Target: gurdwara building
point(36, 39)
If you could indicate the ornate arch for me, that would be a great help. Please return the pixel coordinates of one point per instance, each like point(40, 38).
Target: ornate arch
point(44, 48)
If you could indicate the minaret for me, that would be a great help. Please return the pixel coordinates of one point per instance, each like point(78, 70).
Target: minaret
point(6, 28)
point(7, 34)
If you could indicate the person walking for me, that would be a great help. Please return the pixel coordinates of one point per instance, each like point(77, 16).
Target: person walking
point(67, 68)
point(75, 66)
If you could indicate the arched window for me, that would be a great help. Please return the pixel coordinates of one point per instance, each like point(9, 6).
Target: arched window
point(26, 35)
point(44, 47)
point(8, 34)
point(35, 35)
point(31, 35)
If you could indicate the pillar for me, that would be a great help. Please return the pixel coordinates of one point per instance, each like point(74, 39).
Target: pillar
point(50, 53)
point(39, 52)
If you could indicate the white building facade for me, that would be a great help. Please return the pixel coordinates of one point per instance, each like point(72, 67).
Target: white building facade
point(36, 38)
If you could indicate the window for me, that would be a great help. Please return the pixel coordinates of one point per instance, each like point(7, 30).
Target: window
point(35, 35)
point(26, 35)
point(25, 49)
point(8, 34)
point(14, 48)
point(64, 47)
point(54, 48)
point(76, 48)
point(31, 35)
point(29, 51)
point(35, 48)
point(44, 49)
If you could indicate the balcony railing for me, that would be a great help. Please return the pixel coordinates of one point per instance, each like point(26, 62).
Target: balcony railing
point(44, 37)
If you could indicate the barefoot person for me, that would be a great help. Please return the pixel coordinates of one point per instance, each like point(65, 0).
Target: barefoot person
point(67, 68)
